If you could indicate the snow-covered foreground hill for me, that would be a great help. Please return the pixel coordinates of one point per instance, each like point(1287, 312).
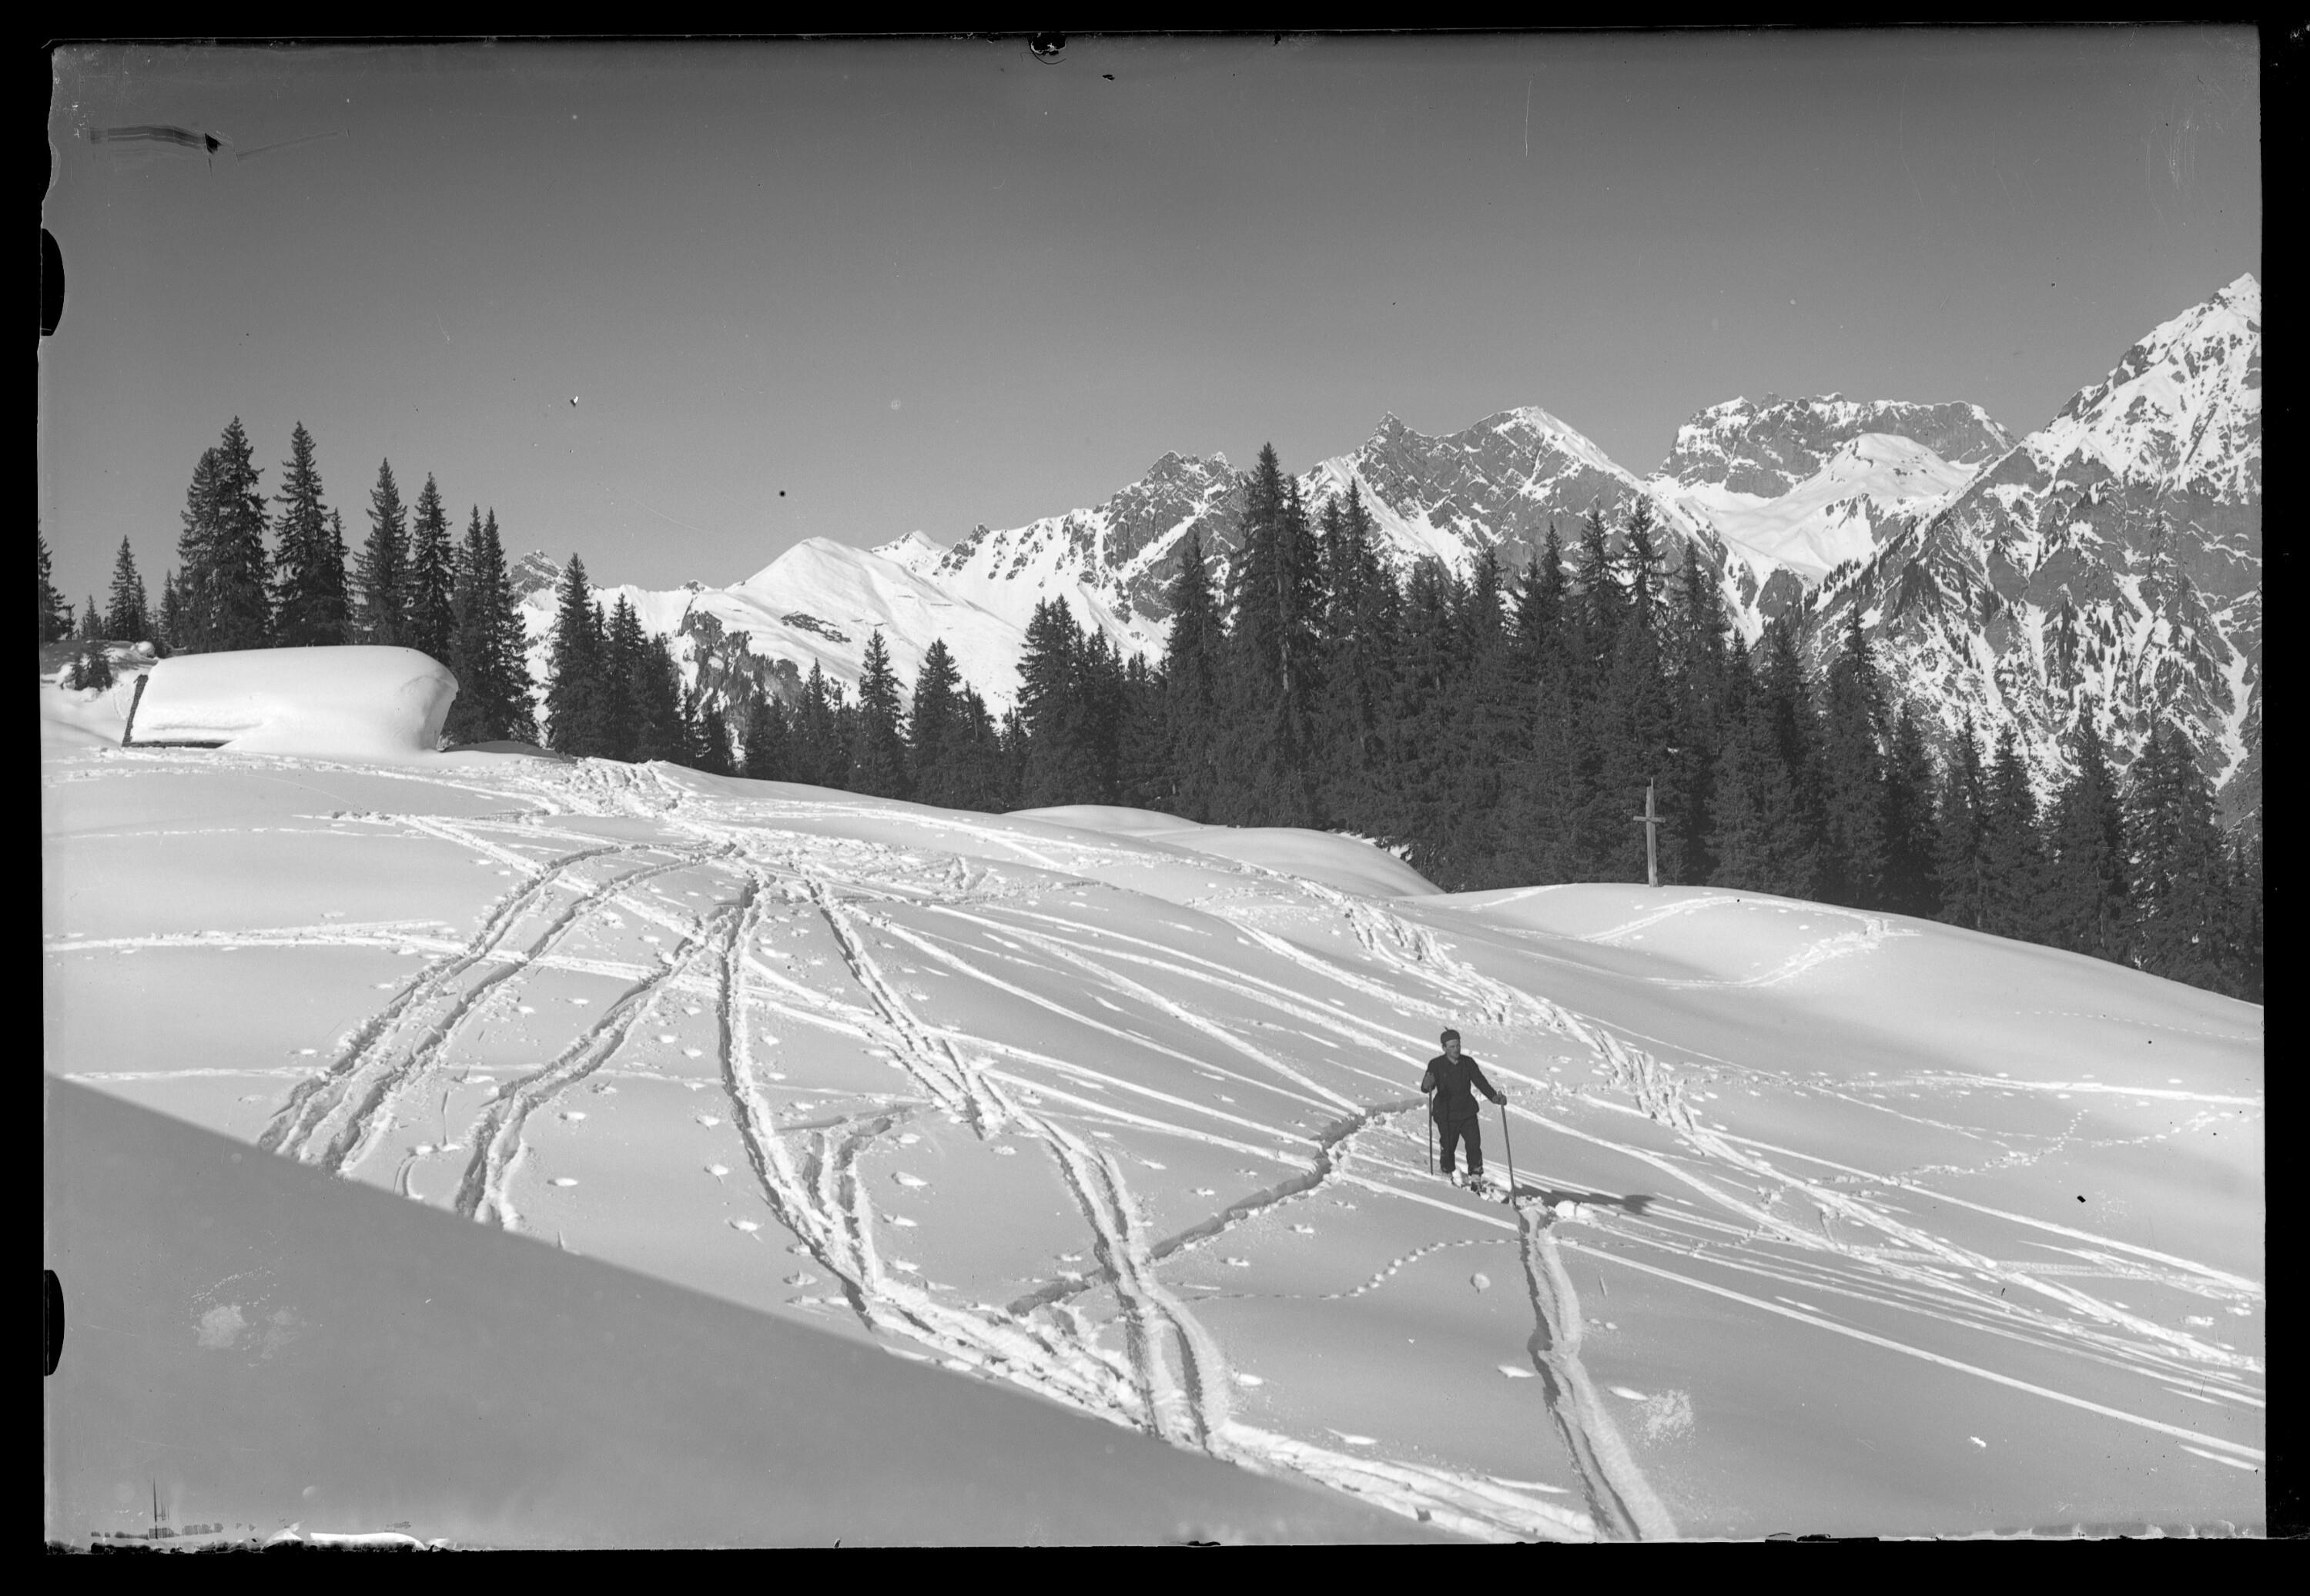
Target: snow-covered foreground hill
point(1840, 1222)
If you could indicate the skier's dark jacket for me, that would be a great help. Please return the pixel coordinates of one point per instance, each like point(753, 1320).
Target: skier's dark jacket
point(1455, 1083)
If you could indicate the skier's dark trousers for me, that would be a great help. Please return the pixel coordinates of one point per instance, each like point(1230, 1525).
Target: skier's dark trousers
point(1452, 1083)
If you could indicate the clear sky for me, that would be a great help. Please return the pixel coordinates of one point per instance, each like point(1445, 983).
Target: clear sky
point(856, 290)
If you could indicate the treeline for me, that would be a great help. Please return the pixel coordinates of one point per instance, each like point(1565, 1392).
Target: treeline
point(409, 584)
point(1502, 729)
point(1499, 728)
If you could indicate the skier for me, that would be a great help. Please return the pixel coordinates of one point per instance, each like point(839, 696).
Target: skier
point(1454, 1081)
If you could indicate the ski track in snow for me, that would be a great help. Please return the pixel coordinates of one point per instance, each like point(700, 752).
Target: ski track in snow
point(1744, 1208)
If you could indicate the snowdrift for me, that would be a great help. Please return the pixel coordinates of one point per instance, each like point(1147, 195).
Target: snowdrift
point(353, 702)
point(273, 1347)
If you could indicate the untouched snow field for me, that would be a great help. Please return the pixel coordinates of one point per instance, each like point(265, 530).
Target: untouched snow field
point(1840, 1222)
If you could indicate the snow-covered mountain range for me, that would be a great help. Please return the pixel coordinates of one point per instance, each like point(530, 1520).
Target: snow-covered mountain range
point(2111, 556)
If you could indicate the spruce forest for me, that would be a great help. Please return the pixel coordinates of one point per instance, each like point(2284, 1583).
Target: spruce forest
point(1498, 728)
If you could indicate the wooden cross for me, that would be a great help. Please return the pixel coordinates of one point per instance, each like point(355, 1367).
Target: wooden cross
point(1650, 821)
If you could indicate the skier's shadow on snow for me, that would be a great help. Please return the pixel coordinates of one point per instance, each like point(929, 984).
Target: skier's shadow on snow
point(1635, 1202)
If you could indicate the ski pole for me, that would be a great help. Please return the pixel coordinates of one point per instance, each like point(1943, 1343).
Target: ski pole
point(1508, 1147)
point(1431, 1144)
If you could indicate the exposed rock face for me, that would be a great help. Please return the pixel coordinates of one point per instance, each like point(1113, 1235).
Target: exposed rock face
point(1766, 449)
point(1122, 554)
point(534, 572)
point(2110, 558)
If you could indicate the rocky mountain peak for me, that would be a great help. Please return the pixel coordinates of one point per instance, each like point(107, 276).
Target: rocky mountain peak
point(2181, 410)
point(534, 572)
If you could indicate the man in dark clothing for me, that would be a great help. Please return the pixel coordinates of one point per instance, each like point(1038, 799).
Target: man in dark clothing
point(1452, 1079)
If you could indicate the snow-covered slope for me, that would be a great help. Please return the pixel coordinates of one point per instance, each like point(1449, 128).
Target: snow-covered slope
point(276, 1353)
point(2114, 557)
point(1836, 1222)
point(1763, 451)
point(1831, 517)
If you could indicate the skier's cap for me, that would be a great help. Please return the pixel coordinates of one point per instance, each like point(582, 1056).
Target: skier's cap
point(1449, 1036)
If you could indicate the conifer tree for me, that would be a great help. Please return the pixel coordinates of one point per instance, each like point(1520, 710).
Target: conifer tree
point(126, 619)
point(842, 736)
point(1359, 642)
point(1419, 755)
point(1788, 701)
point(631, 687)
point(877, 753)
point(714, 752)
point(765, 755)
point(195, 556)
point(1059, 762)
point(934, 732)
point(1959, 816)
point(987, 782)
point(2086, 886)
point(1271, 681)
point(2246, 921)
point(56, 610)
point(1594, 845)
point(1143, 774)
point(492, 700)
point(469, 653)
point(2181, 891)
point(427, 618)
point(1484, 726)
point(1636, 726)
point(2012, 848)
point(1760, 842)
point(512, 687)
point(382, 568)
point(1852, 775)
point(1598, 587)
point(238, 609)
point(1191, 677)
point(675, 720)
point(576, 706)
point(173, 622)
point(1099, 710)
point(815, 749)
point(1910, 833)
point(1010, 745)
point(1544, 792)
point(1696, 646)
point(91, 625)
point(309, 556)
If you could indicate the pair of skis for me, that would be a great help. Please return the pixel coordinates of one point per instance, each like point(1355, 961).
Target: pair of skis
point(1489, 1190)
